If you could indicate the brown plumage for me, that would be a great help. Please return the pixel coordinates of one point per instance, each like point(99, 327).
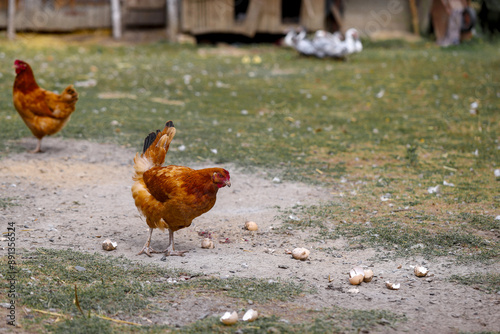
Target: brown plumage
point(44, 112)
point(171, 197)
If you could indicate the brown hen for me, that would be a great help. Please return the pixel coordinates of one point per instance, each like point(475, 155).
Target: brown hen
point(44, 112)
point(171, 197)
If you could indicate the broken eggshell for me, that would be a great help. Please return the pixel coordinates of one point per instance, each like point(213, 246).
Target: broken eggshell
point(420, 271)
point(109, 245)
point(300, 253)
point(251, 226)
point(356, 275)
point(229, 318)
point(368, 275)
point(207, 243)
point(250, 315)
point(356, 280)
point(392, 286)
point(356, 271)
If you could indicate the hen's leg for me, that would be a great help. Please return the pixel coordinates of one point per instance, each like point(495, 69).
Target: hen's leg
point(147, 249)
point(38, 148)
point(170, 251)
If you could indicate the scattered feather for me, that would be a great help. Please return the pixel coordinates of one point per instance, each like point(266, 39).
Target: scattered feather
point(433, 190)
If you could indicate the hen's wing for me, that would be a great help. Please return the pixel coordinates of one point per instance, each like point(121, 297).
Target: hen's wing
point(35, 102)
point(165, 183)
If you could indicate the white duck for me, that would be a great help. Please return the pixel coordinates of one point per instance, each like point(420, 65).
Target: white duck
point(291, 34)
point(302, 44)
point(352, 42)
point(328, 44)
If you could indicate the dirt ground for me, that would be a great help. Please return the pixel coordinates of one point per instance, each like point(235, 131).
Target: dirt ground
point(77, 194)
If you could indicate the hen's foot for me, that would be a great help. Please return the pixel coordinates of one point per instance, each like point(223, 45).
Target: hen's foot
point(148, 250)
point(169, 252)
point(38, 148)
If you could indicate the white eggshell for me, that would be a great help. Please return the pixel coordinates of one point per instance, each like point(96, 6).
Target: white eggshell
point(229, 318)
point(300, 253)
point(421, 271)
point(207, 243)
point(392, 286)
point(251, 226)
point(356, 271)
point(109, 245)
point(250, 315)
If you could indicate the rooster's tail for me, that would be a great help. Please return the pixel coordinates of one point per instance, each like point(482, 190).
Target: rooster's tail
point(155, 149)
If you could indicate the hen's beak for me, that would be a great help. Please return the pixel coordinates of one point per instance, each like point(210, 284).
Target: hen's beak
point(227, 183)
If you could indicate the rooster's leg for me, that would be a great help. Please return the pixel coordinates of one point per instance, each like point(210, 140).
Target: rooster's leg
point(38, 148)
point(170, 251)
point(147, 249)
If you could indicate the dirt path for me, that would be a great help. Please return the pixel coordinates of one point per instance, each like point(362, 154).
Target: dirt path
point(77, 194)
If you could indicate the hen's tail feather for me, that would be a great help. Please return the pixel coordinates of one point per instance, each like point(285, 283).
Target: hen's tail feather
point(70, 94)
point(155, 148)
point(149, 140)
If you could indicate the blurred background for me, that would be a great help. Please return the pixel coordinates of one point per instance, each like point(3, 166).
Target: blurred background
point(446, 21)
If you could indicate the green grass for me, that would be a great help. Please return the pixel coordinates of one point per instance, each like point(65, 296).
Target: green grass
point(259, 290)
point(122, 289)
point(399, 232)
point(107, 285)
point(302, 114)
point(331, 320)
point(377, 130)
point(8, 201)
point(486, 282)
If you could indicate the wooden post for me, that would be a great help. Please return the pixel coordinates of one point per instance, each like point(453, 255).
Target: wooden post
point(11, 29)
point(414, 17)
point(116, 19)
point(172, 20)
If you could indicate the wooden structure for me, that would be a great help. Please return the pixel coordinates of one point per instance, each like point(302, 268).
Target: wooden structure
point(55, 15)
point(243, 17)
point(249, 17)
point(71, 15)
